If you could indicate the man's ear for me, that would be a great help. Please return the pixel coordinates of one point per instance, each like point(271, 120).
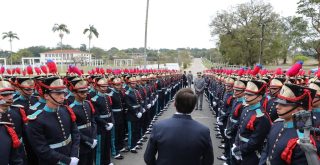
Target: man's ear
point(46, 96)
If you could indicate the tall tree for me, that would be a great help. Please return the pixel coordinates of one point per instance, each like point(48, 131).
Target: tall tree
point(61, 28)
point(11, 37)
point(246, 31)
point(310, 10)
point(91, 30)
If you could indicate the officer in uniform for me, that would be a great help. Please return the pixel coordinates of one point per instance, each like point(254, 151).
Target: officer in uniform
point(52, 131)
point(234, 116)
point(316, 104)
point(224, 114)
point(281, 146)
point(25, 86)
point(42, 102)
point(118, 106)
point(13, 114)
point(254, 126)
point(160, 91)
point(133, 101)
point(104, 118)
point(10, 143)
point(86, 123)
point(274, 87)
point(145, 106)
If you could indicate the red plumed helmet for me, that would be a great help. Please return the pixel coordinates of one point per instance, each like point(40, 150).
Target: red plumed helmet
point(256, 69)
point(294, 70)
point(37, 70)
point(29, 70)
point(97, 70)
point(318, 73)
point(2, 69)
point(263, 72)
point(13, 70)
point(101, 71)
point(44, 69)
point(52, 66)
point(18, 70)
point(9, 71)
point(240, 72)
point(278, 71)
point(24, 72)
point(76, 70)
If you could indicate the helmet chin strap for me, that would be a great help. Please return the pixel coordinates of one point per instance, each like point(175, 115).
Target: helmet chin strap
point(58, 103)
point(288, 111)
point(252, 99)
point(238, 95)
point(274, 94)
point(316, 101)
point(24, 92)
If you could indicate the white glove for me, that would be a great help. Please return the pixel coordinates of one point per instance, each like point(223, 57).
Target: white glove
point(143, 110)
point(94, 143)
point(153, 102)
point(139, 115)
point(219, 122)
point(214, 103)
point(225, 133)
point(157, 96)
point(109, 126)
point(148, 106)
point(238, 157)
point(74, 161)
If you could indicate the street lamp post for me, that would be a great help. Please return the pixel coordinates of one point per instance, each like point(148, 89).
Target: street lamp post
point(145, 36)
point(158, 59)
point(261, 43)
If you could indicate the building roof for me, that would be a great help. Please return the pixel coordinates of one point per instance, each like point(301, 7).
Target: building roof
point(63, 51)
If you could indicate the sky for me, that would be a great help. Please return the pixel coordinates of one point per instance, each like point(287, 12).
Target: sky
point(121, 23)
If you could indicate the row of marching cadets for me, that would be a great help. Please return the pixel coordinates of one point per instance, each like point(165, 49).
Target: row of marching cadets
point(255, 109)
point(79, 118)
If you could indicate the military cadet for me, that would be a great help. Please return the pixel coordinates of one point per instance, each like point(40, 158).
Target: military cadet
point(224, 114)
point(52, 131)
point(160, 92)
point(104, 118)
point(316, 104)
point(134, 114)
point(145, 104)
point(274, 89)
point(87, 127)
point(10, 142)
point(14, 114)
point(281, 147)
point(70, 97)
point(25, 86)
point(118, 106)
point(254, 126)
point(42, 102)
point(234, 116)
point(149, 104)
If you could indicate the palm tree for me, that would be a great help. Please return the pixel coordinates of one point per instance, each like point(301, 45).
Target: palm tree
point(11, 36)
point(91, 30)
point(62, 28)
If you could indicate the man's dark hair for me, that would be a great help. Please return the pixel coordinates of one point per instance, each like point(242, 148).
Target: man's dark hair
point(185, 101)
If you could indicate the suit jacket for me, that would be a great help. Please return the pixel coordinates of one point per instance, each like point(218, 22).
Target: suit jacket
point(190, 77)
point(179, 140)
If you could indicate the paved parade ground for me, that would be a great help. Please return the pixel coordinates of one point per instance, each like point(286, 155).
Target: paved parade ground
point(205, 117)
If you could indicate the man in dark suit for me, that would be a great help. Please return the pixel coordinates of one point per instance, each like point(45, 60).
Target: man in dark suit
point(180, 140)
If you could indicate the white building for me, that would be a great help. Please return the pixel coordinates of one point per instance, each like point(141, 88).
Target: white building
point(66, 56)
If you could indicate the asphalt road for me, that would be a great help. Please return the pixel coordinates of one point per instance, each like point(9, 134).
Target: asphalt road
point(205, 117)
